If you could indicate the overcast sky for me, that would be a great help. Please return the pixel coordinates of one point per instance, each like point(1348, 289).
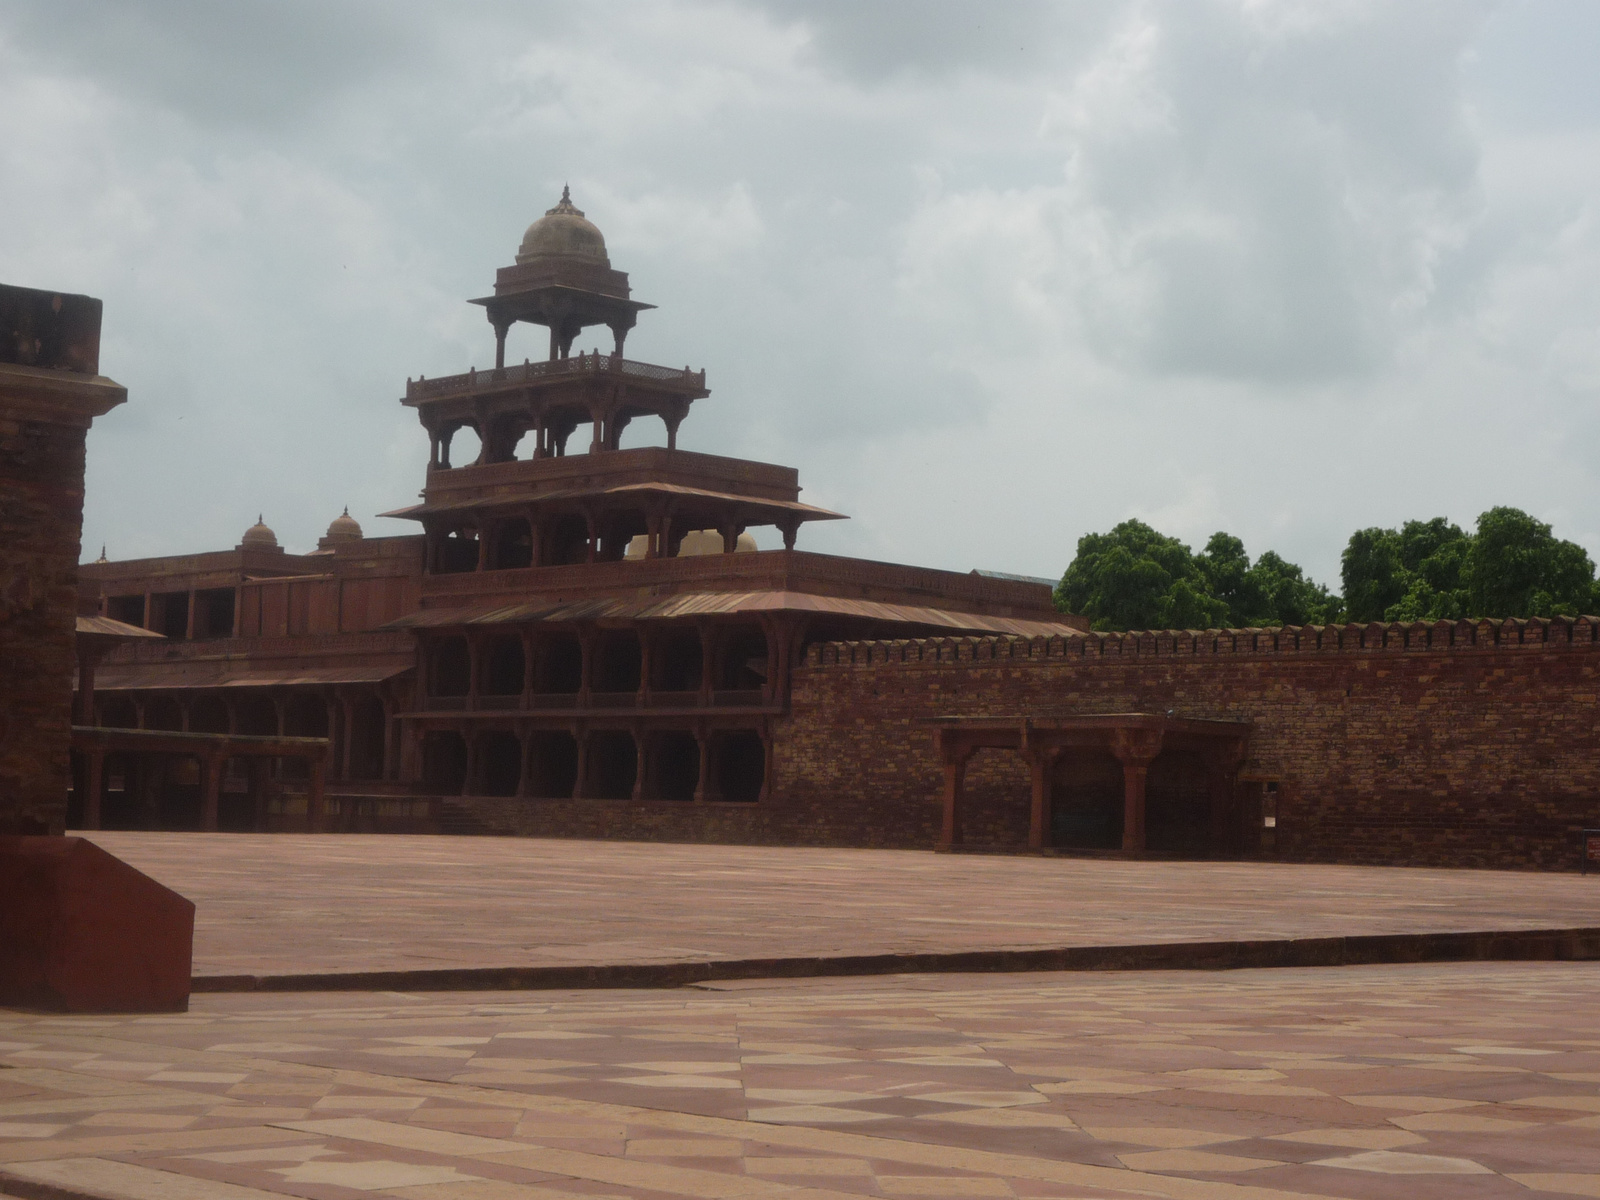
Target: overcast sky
point(991, 275)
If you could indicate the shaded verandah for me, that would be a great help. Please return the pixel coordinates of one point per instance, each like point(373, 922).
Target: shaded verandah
point(1134, 740)
point(211, 751)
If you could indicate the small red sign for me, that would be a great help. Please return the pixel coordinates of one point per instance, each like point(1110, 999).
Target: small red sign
point(1591, 847)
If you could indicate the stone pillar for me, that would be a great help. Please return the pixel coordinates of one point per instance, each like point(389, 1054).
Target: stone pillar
point(586, 649)
point(580, 783)
point(349, 735)
point(210, 790)
point(1041, 764)
point(702, 787)
point(641, 761)
point(954, 753)
point(1136, 749)
point(388, 769)
point(471, 781)
point(188, 631)
point(317, 798)
point(708, 663)
point(646, 653)
point(50, 391)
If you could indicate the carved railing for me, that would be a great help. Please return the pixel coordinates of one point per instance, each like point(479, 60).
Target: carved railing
point(533, 372)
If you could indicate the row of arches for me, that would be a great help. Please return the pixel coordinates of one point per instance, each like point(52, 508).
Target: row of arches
point(540, 433)
point(673, 664)
point(511, 543)
point(358, 723)
point(678, 765)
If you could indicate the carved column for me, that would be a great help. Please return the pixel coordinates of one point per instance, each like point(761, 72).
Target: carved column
point(702, 787)
point(1041, 766)
point(210, 789)
point(954, 753)
point(1136, 749)
point(93, 783)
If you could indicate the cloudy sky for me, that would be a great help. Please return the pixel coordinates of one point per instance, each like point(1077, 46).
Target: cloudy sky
point(991, 275)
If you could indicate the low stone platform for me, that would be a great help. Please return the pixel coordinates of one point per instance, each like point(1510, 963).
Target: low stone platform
point(1463, 1081)
point(429, 911)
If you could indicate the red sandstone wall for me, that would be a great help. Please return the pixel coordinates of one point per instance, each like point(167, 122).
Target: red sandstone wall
point(41, 510)
point(1459, 744)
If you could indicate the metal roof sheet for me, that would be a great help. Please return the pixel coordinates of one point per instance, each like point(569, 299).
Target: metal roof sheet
point(707, 604)
point(105, 627)
point(809, 512)
point(193, 675)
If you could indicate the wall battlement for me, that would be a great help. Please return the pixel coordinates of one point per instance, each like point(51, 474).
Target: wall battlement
point(1183, 644)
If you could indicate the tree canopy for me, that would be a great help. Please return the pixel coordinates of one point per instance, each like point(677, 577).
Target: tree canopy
point(1512, 565)
point(1136, 578)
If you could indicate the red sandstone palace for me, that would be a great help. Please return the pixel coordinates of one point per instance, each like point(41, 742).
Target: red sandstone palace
point(589, 644)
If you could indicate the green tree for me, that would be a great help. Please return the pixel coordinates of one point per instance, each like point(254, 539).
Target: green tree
point(1136, 578)
point(1513, 566)
point(1374, 578)
point(1517, 567)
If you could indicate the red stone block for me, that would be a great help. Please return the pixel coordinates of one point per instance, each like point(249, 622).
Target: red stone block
point(82, 931)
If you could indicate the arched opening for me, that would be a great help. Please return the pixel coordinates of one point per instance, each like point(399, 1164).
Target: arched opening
point(304, 715)
point(1086, 801)
point(163, 712)
point(208, 714)
point(558, 665)
point(741, 762)
point(459, 446)
point(366, 738)
point(513, 545)
point(458, 552)
point(499, 763)
point(568, 541)
point(503, 666)
point(613, 764)
point(617, 669)
point(449, 667)
point(256, 716)
point(236, 810)
point(126, 783)
point(677, 765)
point(119, 712)
point(552, 763)
point(1177, 805)
point(676, 661)
point(444, 761)
point(743, 660)
point(178, 796)
point(616, 531)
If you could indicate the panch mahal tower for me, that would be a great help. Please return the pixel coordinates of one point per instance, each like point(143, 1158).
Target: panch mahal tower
point(581, 638)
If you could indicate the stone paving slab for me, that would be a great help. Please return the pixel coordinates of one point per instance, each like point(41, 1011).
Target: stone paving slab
point(295, 904)
point(1366, 1083)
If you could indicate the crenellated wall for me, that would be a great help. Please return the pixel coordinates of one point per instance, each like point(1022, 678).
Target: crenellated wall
point(1450, 743)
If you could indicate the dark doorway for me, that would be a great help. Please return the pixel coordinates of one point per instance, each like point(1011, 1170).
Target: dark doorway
point(444, 761)
point(677, 662)
point(559, 665)
point(552, 763)
point(366, 737)
point(213, 613)
point(1086, 813)
point(613, 764)
point(677, 765)
point(208, 714)
point(741, 766)
point(568, 542)
point(450, 667)
point(503, 666)
point(458, 552)
point(618, 667)
point(163, 712)
point(127, 609)
point(513, 546)
point(499, 763)
point(1177, 805)
point(744, 661)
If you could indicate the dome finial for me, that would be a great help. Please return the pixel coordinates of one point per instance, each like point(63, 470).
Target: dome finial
point(566, 194)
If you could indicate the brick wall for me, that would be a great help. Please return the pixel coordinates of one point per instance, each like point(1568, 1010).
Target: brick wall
point(1470, 744)
point(41, 509)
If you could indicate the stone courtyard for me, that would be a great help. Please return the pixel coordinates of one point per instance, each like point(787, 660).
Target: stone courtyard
point(1367, 1082)
point(1408, 1080)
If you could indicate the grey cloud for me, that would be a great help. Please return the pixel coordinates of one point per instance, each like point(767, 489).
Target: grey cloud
point(253, 63)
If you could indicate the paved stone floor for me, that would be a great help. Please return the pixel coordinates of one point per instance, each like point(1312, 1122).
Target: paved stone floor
point(1362, 1082)
point(280, 904)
